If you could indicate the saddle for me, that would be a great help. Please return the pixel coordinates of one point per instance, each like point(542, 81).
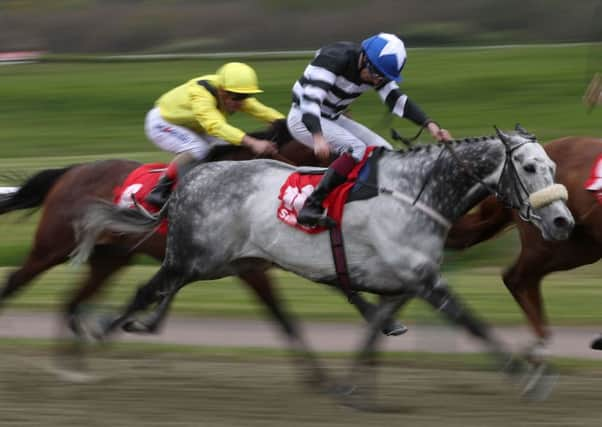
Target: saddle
point(360, 185)
point(137, 185)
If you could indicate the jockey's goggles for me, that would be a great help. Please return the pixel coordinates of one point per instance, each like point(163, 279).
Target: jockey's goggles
point(373, 70)
point(238, 96)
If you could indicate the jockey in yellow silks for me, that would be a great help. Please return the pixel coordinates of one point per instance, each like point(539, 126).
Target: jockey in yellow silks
point(191, 118)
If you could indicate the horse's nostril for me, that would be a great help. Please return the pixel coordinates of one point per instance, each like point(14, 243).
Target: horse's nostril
point(561, 222)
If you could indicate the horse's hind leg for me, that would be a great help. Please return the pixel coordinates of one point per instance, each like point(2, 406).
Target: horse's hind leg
point(53, 242)
point(152, 322)
point(164, 282)
point(39, 260)
point(104, 262)
point(362, 374)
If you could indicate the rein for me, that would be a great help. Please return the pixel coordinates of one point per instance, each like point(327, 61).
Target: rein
point(408, 143)
point(518, 186)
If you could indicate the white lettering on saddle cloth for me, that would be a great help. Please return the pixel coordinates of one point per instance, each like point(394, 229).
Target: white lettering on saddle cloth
point(594, 182)
point(293, 200)
point(125, 200)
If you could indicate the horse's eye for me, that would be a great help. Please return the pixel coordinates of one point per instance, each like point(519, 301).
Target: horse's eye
point(529, 168)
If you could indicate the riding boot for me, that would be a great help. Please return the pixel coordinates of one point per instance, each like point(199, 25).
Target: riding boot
point(161, 191)
point(312, 213)
point(176, 169)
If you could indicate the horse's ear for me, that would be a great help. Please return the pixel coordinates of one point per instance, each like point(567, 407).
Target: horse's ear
point(501, 135)
point(523, 131)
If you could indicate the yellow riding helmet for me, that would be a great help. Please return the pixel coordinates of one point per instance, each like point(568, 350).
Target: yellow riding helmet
point(238, 78)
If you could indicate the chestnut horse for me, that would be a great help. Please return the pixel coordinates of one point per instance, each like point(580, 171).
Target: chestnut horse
point(574, 158)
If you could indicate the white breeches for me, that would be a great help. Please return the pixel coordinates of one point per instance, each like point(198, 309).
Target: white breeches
point(342, 134)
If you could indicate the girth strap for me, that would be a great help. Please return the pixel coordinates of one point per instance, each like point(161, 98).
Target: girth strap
point(340, 260)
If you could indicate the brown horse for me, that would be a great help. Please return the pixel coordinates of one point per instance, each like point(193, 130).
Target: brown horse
point(574, 157)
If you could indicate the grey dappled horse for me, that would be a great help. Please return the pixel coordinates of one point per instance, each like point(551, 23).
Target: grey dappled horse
point(223, 222)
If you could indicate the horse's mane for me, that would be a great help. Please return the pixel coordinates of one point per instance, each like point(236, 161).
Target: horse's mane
point(416, 149)
point(277, 132)
point(223, 151)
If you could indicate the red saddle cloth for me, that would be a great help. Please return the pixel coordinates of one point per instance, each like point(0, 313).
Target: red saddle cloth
point(594, 182)
point(298, 187)
point(137, 185)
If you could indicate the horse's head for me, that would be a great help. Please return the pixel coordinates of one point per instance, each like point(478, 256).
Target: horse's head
point(527, 184)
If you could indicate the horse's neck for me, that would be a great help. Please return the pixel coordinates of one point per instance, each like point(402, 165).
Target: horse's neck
point(450, 189)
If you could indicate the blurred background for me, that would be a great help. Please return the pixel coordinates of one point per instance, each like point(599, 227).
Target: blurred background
point(191, 26)
point(76, 80)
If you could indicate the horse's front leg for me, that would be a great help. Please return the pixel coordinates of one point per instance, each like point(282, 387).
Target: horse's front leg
point(392, 326)
point(442, 299)
point(366, 361)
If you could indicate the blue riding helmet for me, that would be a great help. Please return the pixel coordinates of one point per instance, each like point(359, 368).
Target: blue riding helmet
point(387, 53)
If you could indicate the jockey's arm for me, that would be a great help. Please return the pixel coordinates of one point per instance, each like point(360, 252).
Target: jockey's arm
point(212, 120)
point(260, 111)
point(401, 105)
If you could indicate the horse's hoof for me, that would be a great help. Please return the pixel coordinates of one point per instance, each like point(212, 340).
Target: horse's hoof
point(540, 383)
point(367, 402)
point(395, 329)
point(340, 390)
point(137, 327)
point(597, 344)
point(96, 329)
point(73, 376)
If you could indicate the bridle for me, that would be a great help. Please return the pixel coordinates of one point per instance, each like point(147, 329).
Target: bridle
point(525, 200)
point(522, 203)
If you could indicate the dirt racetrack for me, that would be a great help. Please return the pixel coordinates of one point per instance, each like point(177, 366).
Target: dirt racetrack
point(142, 389)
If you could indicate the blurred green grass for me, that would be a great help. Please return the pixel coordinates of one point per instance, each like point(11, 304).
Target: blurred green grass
point(572, 297)
point(66, 109)
point(59, 113)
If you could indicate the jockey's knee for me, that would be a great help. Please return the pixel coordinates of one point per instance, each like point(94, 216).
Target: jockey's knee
point(196, 154)
point(386, 145)
point(356, 151)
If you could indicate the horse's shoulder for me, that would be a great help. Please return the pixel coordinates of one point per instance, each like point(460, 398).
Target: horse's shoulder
point(579, 150)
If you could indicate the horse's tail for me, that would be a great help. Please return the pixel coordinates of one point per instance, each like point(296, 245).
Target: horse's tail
point(489, 219)
point(32, 192)
point(102, 216)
